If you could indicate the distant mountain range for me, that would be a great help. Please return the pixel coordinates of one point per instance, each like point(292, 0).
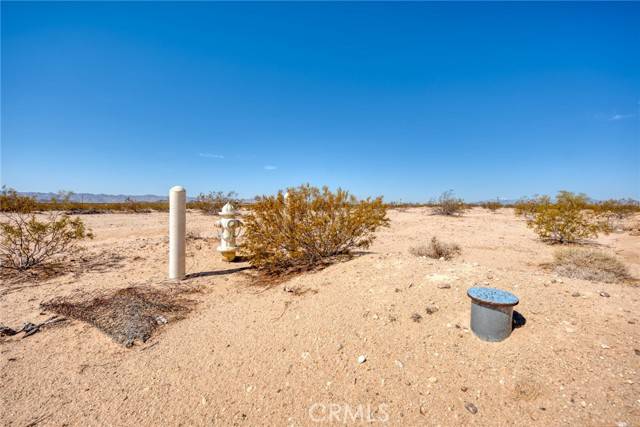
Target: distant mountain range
point(98, 198)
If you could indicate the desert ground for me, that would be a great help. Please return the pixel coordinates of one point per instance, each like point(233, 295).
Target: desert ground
point(254, 355)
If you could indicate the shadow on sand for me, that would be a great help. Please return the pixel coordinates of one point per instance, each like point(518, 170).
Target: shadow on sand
point(216, 272)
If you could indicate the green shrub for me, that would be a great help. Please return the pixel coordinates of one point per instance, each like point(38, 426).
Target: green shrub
point(309, 228)
point(11, 201)
point(27, 242)
point(569, 219)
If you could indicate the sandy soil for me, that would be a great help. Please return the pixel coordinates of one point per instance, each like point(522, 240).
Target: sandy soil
point(248, 356)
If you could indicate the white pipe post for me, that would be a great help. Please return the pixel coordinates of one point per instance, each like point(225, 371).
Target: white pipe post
point(177, 231)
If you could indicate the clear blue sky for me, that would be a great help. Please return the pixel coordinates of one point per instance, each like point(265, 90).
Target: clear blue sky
point(405, 100)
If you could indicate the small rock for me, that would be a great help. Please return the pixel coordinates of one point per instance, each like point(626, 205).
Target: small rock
point(433, 380)
point(604, 294)
point(583, 404)
point(444, 286)
point(161, 320)
point(554, 281)
point(605, 346)
point(430, 309)
point(362, 358)
point(622, 424)
point(340, 346)
point(416, 317)
point(637, 352)
point(471, 407)
point(464, 388)
point(441, 258)
point(399, 364)
point(423, 410)
point(575, 294)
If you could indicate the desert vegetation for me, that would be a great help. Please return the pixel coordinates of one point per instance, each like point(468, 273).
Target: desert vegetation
point(449, 205)
point(308, 228)
point(212, 202)
point(568, 219)
point(589, 264)
point(436, 249)
point(28, 240)
point(492, 205)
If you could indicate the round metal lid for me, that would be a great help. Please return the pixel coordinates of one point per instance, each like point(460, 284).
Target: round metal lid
point(492, 296)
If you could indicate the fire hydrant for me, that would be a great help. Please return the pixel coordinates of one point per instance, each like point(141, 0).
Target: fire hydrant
point(231, 228)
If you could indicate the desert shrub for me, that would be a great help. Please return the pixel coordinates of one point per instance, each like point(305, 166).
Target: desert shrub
point(309, 228)
point(589, 264)
point(615, 212)
point(11, 201)
point(493, 206)
point(27, 242)
point(568, 220)
point(619, 209)
point(527, 208)
point(211, 203)
point(449, 205)
point(436, 249)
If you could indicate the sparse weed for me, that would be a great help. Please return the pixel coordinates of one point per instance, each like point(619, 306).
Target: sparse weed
point(436, 249)
point(449, 205)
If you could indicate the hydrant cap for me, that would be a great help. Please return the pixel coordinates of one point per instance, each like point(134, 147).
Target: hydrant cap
point(227, 209)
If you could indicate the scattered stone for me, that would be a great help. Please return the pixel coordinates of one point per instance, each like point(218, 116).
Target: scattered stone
point(637, 352)
point(430, 309)
point(444, 286)
point(575, 294)
point(471, 407)
point(161, 320)
point(464, 388)
point(423, 410)
point(416, 317)
point(340, 346)
point(399, 364)
point(361, 359)
point(604, 294)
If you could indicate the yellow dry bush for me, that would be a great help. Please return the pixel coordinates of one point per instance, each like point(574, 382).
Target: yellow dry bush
point(569, 220)
point(309, 227)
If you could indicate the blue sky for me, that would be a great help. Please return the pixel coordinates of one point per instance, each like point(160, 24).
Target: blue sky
point(405, 100)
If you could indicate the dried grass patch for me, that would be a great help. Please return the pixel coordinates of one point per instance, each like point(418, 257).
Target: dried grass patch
point(128, 314)
point(436, 249)
point(589, 264)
